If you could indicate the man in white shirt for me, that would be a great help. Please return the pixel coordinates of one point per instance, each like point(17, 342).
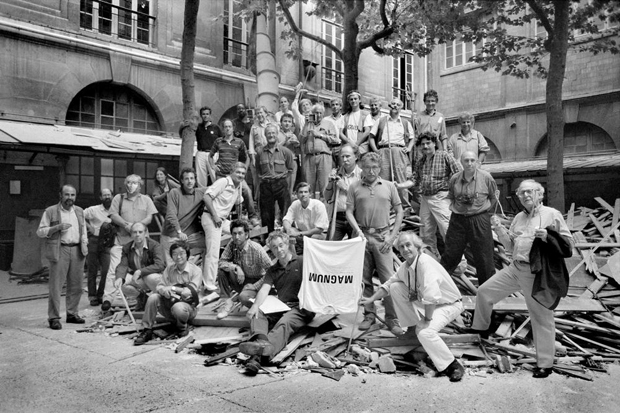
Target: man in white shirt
point(308, 216)
point(356, 125)
point(98, 253)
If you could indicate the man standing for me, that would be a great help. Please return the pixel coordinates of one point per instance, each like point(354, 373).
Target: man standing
point(473, 200)
point(431, 121)
point(339, 183)
point(356, 125)
point(126, 209)
point(274, 166)
point(316, 138)
point(289, 140)
point(185, 205)
point(338, 121)
point(143, 260)
point(242, 125)
point(270, 332)
point(242, 265)
point(176, 295)
point(98, 253)
point(66, 246)
point(537, 235)
point(432, 176)
point(285, 107)
point(219, 200)
point(468, 139)
point(392, 138)
point(308, 215)
point(206, 134)
point(425, 297)
point(369, 201)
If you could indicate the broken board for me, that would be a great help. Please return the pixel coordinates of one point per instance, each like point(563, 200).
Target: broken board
point(517, 304)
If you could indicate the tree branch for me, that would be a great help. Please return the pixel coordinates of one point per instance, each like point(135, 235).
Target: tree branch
point(375, 37)
point(297, 30)
point(540, 13)
point(384, 19)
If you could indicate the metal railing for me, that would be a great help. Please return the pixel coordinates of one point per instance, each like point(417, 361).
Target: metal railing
point(235, 53)
point(402, 95)
point(331, 79)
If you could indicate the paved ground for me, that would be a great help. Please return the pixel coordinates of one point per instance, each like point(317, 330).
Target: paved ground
point(48, 371)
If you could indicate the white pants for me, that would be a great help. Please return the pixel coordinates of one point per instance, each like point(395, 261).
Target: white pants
point(109, 293)
point(411, 313)
point(434, 212)
point(213, 236)
point(202, 168)
point(509, 280)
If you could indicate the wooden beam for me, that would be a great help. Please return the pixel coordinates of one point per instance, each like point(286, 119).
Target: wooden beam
point(596, 343)
point(587, 326)
point(413, 341)
point(598, 225)
point(597, 244)
point(215, 359)
point(570, 217)
point(290, 347)
point(517, 304)
point(210, 320)
point(604, 204)
point(613, 228)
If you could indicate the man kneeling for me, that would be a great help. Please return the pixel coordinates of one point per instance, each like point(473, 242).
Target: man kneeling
point(285, 275)
point(176, 295)
point(424, 296)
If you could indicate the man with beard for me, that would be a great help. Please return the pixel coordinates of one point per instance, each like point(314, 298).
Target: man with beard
point(369, 202)
point(270, 332)
point(98, 253)
point(184, 208)
point(66, 245)
point(126, 209)
point(425, 298)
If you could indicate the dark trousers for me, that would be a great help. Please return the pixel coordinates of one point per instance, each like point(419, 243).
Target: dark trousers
point(272, 192)
point(342, 227)
point(228, 283)
point(277, 328)
point(475, 230)
point(94, 260)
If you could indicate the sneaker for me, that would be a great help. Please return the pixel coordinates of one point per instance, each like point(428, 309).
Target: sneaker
point(369, 320)
point(256, 348)
point(394, 327)
point(225, 312)
point(455, 371)
point(143, 337)
point(106, 306)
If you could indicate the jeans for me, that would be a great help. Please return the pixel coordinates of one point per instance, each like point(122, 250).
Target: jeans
point(434, 212)
point(284, 326)
point(94, 260)
point(179, 313)
point(374, 259)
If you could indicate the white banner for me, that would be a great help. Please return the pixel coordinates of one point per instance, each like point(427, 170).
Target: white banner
point(332, 275)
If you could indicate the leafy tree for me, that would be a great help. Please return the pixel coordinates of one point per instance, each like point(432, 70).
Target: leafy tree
point(544, 56)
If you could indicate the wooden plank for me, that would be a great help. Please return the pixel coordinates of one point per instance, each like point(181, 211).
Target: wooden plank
point(210, 320)
point(509, 348)
point(599, 226)
point(616, 216)
point(587, 326)
point(216, 359)
point(570, 217)
point(413, 341)
point(604, 204)
point(290, 347)
point(238, 337)
point(597, 244)
point(572, 373)
point(596, 343)
point(517, 304)
point(505, 328)
point(613, 228)
point(184, 343)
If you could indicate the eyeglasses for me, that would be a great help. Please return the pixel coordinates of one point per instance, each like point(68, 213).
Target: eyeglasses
point(527, 192)
point(133, 183)
point(179, 254)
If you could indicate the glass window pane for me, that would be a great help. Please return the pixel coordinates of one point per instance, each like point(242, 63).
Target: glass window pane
point(88, 165)
point(120, 168)
point(119, 185)
point(73, 165)
point(107, 108)
point(107, 167)
point(139, 168)
point(87, 184)
point(107, 182)
point(74, 180)
point(122, 110)
point(151, 168)
point(88, 104)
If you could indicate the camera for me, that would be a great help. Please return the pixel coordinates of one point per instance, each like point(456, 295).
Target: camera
point(312, 118)
point(334, 178)
point(250, 113)
point(467, 199)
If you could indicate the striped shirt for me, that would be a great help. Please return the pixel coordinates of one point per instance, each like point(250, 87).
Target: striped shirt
point(230, 152)
point(433, 175)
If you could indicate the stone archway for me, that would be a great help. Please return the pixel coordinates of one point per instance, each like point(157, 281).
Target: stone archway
point(579, 138)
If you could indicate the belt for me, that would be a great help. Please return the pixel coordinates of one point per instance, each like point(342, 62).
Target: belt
point(374, 230)
point(75, 244)
point(387, 146)
point(477, 213)
point(341, 214)
point(272, 180)
point(318, 153)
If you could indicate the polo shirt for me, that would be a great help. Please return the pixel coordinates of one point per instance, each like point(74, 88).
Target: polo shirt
point(481, 188)
point(434, 123)
point(371, 203)
point(134, 209)
point(206, 136)
point(286, 280)
point(229, 153)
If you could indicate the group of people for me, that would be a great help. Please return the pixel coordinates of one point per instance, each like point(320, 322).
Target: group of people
point(378, 160)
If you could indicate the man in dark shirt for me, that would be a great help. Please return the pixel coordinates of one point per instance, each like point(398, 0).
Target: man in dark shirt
point(206, 134)
point(274, 165)
point(285, 275)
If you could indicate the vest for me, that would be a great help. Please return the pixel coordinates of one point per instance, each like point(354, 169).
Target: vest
point(381, 126)
point(52, 243)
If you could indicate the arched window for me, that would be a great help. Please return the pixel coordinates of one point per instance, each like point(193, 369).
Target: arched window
point(580, 137)
point(493, 154)
point(108, 106)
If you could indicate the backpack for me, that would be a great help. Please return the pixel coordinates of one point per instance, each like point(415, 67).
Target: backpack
point(107, 235)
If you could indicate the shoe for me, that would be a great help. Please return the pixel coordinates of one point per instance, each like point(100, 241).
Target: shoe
point(542, 372)
point(75, 319)
point(394, 327)
point(256, 348)
point(369, 320)
point(252, 366)
point(143, 337)
point(455, 371)
point(183, 332)
point(55, 324)
point(106, 306)
point(483, 333)
point(225, 312)
point(94, 302)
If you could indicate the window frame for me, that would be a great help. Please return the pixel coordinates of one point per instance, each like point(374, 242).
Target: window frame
point(332, 77)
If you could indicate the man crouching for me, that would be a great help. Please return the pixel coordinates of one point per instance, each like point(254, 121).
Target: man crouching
point(176, 295)
point(424, 296)
point(285, 275)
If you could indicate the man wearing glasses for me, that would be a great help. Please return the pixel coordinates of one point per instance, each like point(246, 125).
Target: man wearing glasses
point(126, 210)
point(369, 201)
point(539, 240)
point(176, 295)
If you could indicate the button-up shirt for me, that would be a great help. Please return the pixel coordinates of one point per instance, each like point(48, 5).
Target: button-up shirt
point(257, 136)
point(290, 141)
point(314, 145)
point(393, 131)
point(190, 275)
point(274, 163)
point(433, 174)
point(434, 123)
point(428, 280)
point(137, 258)
point(524, 226)
point(252, 258)
point(135, 209)
point(311, 217)
point(67, 216)
point(224, 196)
point(480, 190)
point(347, 179)
point(473, 142)
point(96, 215)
